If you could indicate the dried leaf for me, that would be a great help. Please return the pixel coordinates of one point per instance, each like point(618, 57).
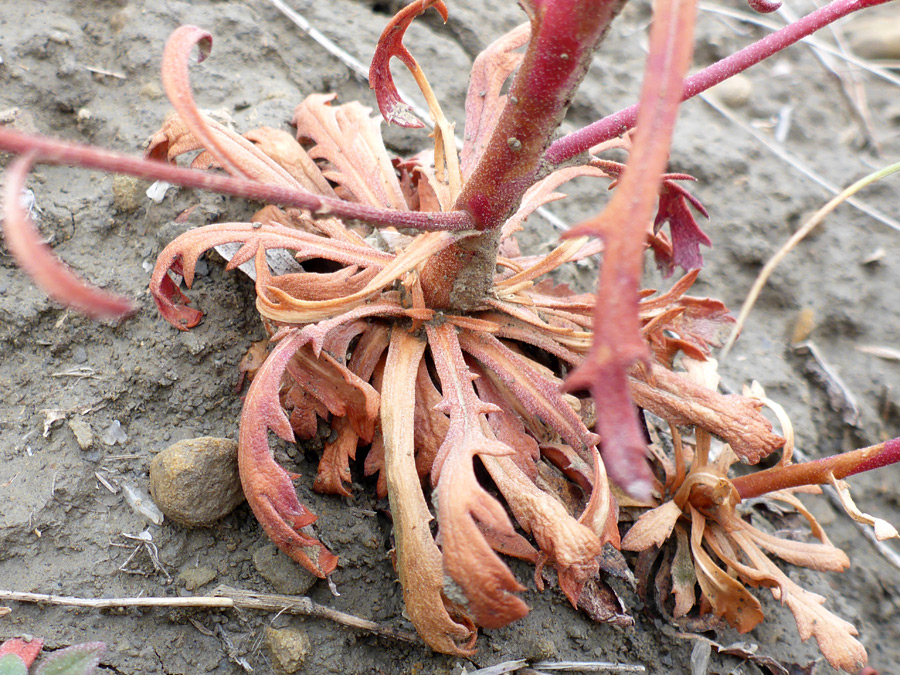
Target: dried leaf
point(341, 391)
point(883, 529)
point(267, 486)
point(484, 101)
point(238, 156)
point(686, 234)
point(283, 149)
point(652, 528)
point(334, 467)
point(390, 45)
point(603, 605)
point(419, 562)
point(728, 597)
point(735, 419)
point(348, 138)
point(487, 583)
point(684, 578)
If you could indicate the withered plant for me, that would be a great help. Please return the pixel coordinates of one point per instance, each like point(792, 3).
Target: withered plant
point(704, 512)
point(417, 329)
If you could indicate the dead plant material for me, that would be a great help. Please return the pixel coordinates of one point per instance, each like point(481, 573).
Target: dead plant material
point(418, 329)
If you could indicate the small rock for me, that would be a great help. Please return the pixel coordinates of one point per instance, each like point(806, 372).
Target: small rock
point(735, 91)
point(84, 436)
point(876, 37)
point(541, 649)
point(128, 193)
point(196, 577)
point(288, 648)
point(195, 482)
point(79, 355)
point(113, 434)
point(142, 504)
point(285, 575)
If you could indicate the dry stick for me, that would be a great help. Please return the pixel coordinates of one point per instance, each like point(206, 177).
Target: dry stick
point(808, 226)
point(786, 156)
point(223, 597)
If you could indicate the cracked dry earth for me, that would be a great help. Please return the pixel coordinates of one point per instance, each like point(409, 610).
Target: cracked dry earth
point(89, 71)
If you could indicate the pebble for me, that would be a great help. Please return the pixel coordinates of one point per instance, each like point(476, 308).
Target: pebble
point(196, 577)
point(195, 482)
point(285, 575)
point(128, 193)
point(84, 436)
point(113, 434)
point(79, 355)
point(288, 647)
point(735, 91)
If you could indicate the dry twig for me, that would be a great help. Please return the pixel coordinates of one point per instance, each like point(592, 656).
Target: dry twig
point(223, 597)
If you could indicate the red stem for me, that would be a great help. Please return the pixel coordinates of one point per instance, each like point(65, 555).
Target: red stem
point(618, 123)
point(618, 340)
point(819, 471)
point(564, 36)
point(52, 151)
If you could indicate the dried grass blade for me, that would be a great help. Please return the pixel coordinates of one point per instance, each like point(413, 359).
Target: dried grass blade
point(795, 239)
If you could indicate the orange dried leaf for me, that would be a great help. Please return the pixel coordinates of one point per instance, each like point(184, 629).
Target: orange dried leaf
point(652, 528)
point(728, 597)
point(419, 562)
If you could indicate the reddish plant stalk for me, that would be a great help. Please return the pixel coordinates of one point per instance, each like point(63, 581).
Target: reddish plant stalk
point(618, 341)
point(618, 123)
point(52, 151)
point(564, 36)
point(819, 471)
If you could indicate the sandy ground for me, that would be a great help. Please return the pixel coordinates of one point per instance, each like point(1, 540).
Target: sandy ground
point(89, 71)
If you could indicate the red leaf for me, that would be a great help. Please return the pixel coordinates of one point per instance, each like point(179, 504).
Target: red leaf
point(392, 107)
point(27, 651)
point(686, 233)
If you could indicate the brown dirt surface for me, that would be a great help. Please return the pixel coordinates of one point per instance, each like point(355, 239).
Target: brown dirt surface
point(88, 70)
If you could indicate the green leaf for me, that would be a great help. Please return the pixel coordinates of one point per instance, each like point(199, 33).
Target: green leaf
point(75, 660)
point(11, 664)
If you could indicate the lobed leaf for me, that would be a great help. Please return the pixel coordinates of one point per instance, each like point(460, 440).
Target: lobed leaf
point(348, 138)
point(419, 562)
point(735, 419)
point(390, 45)
point(484, 102)
point(267, 486)
point(464, 507)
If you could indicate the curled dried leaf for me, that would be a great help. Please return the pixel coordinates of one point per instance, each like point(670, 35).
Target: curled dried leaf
point(728, 597)
point(390, 45)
